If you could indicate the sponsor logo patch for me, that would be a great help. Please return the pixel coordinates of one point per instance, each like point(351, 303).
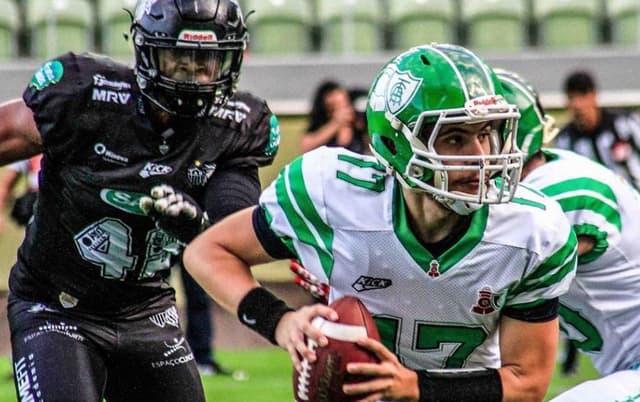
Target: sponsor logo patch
point(154, 169)
point(109, 96)
point(233, 110)
point(26, 378)
point(123, 200)
point(168, 317)
point(101, 81)
point(109, 156)
point(49, 74)
point(197, 36)
point(174, 347)
point(274, 137)
point(365, 283)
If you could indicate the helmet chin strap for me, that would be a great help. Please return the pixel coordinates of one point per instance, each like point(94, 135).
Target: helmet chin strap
point(458, 206)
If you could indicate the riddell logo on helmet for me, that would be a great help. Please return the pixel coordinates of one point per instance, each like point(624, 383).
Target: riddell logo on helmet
point(197, 36)
point(485, 100)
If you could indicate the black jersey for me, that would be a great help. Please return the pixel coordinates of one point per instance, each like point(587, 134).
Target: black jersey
point(90, 246)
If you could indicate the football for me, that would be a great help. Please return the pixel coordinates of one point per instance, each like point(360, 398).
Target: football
point(322, 380)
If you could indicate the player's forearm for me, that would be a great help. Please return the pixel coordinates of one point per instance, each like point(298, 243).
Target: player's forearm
point(220, 259)
point(225, 277)
point(519, 386)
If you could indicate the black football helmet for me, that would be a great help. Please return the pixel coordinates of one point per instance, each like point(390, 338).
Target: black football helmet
point(188, 53)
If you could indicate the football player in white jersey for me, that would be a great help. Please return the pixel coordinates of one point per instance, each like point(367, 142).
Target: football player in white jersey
point(463, 284)
point(601, 311)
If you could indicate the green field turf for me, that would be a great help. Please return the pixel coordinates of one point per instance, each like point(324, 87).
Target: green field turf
point(269, 378)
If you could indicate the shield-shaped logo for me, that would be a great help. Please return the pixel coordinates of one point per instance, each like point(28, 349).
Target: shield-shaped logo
point(200, 173)
point(401, 89)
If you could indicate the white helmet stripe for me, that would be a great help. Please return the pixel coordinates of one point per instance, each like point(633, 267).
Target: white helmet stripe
point(463, 84)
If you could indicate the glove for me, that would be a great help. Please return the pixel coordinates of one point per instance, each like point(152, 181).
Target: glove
point(309, 282)
point(175, 212)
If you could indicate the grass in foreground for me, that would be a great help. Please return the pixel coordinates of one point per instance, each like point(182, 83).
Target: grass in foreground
point(269, 378)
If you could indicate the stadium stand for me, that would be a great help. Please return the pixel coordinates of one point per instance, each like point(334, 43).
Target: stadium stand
point(568, 24)
point(415, 22)
point(279, 26)
point(495, 24)
point(114, 25)
point(8, 29)
point(351, 26)
point(58, 26)
point(624, 16)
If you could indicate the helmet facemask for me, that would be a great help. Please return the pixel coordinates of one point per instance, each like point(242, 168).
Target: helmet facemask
point(430, 170)
point(189, 80)
point(188, 53)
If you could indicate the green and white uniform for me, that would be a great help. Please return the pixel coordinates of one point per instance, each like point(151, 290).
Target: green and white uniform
point(345, 219)
point(601, 311)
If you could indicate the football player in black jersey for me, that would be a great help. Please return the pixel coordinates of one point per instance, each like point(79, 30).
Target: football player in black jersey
point(134, 161)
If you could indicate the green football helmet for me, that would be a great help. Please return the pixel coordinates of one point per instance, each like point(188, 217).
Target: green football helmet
point(535, 128)
point(426, 88)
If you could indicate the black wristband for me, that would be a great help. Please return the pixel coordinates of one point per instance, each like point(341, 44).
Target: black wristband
point(482, 385)
point(261, 311)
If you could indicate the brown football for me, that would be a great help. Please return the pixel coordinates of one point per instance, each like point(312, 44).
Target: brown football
point(322, 380)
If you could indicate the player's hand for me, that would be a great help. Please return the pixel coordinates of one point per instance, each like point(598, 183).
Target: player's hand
point(309, 282)
point(174, 212)
point(295, 328)
point(390, 380)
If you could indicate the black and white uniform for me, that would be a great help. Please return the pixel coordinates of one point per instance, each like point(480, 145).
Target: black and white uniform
point(90, 309)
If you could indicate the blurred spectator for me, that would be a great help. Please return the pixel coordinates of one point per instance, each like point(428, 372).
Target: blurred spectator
point(22, 209)
point(334, 119)
point(606, 136)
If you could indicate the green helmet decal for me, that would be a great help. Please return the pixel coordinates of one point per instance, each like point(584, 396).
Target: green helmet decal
point(423, 89)
point(535, 128)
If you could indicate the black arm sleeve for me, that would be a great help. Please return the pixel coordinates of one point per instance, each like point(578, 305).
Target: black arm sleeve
point(546, 311)
point(271, 243)
point(231, 190)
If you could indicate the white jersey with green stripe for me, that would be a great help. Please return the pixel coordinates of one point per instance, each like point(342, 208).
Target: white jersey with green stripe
point(601, 311)
point(344, 218)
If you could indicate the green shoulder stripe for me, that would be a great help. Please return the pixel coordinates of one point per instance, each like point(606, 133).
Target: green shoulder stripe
point(293, 197)
point(554, 269)
point(589, 194)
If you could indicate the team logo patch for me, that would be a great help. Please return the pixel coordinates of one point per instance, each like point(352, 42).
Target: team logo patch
point(154, 169)
point(434, 269)
point(49, 74)
point(123, 200)
point(487, 302)
point(67, 301)
point(365, 283)
point(200, 173)
point(274, 137)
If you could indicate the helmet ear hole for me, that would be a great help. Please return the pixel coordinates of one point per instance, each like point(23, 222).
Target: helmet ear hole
point(390, 145)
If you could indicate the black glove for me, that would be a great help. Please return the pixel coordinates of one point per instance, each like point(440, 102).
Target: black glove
point(175, 212)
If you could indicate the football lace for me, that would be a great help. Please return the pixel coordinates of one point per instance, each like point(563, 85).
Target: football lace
point(305, 374)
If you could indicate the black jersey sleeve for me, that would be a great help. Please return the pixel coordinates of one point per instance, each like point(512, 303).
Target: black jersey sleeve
point(60, 96)
point(231, 190)
point(257, 141)
point(50, 95)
